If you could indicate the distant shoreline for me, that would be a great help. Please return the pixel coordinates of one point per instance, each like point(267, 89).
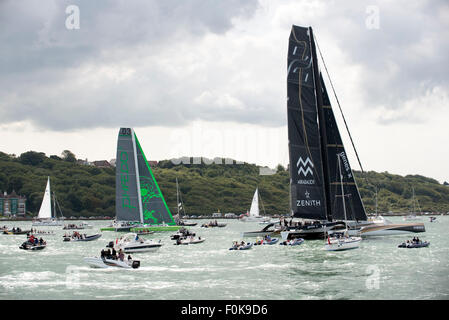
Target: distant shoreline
point(228, 218)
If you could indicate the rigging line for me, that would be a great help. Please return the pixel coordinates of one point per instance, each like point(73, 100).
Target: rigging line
point(338, 102)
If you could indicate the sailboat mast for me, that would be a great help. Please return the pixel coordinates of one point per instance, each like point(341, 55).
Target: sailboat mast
point(54, 205)
point(177, 195)
point(414, 205)
point(342, 189)
point(322, 127)
point(376, 201)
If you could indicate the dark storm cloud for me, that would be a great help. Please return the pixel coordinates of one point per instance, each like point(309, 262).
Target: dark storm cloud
point(405, 58)
point(142, 63)
point(41, 60)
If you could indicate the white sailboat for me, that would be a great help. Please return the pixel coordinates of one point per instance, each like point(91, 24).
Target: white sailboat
point(413, 216)
point(254, 214)
point(45, 217)
point(341, 240)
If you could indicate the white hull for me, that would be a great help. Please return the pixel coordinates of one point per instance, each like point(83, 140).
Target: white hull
point(392, 229)
point(51, 223)
point(257, 234)
point(343, 244)
point(95, 262)
point(192, 241)
point(129, 245)
point(138, 249)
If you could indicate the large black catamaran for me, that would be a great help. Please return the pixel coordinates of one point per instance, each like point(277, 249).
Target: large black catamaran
point(315, 145)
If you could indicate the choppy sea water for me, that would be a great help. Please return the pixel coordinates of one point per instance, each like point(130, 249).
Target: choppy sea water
point(376, 270)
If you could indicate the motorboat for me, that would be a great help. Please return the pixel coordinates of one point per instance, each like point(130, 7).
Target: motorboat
point(132, 243)
point(81, 226)
point(190, 240)
point(213, 225)
point(33, 244)
point(30, 246)
point(182, 234)
point(241, 246)
point(266, 241)
point(412, 244)
point(47, 223)
point(81, 237)
point(292, 242)
point(16, 231)
point(96, 262)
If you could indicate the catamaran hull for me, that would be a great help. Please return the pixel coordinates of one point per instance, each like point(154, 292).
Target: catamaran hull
point(250, 234)
point(392, 229)
point(315, 234)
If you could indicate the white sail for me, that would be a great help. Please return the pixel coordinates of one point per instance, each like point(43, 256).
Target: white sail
point(45, 210)
point(254, 210)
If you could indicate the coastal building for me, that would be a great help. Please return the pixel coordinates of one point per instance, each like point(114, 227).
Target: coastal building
point(12, 204)
point(102, 164)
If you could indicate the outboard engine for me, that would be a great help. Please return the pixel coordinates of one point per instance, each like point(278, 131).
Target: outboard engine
point(136, 264)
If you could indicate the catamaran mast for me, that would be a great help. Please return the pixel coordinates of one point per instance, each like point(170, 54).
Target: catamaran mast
point(322, 127)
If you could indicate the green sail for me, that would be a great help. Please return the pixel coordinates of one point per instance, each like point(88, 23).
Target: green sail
point(154, 208)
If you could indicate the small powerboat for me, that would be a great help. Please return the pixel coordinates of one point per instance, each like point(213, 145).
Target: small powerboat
point(96, 262)
point(132, 243)
point(182, 234)
point(268, 241)
point(82, 237)
point(414, 244)
point(190, 240)
point(239, 246)
point(213, 225)
point(32, 246)
point(82, 225)
point(292, 242)
point(16, 231)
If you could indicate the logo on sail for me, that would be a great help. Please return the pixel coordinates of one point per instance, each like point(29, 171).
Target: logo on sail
point(303, 166)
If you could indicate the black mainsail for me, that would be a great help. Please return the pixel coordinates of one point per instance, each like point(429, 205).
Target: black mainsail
point(314, 140)
point(308, 197)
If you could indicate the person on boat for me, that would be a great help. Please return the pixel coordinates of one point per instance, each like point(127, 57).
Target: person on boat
point(242, 243)
point(41, 241)
point(114, 254)
point(121, 255)
point(129, 258)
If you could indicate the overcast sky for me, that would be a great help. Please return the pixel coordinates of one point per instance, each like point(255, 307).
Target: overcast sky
point(208, 78)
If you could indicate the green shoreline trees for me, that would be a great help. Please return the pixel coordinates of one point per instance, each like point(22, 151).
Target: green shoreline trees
point(90, 191)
